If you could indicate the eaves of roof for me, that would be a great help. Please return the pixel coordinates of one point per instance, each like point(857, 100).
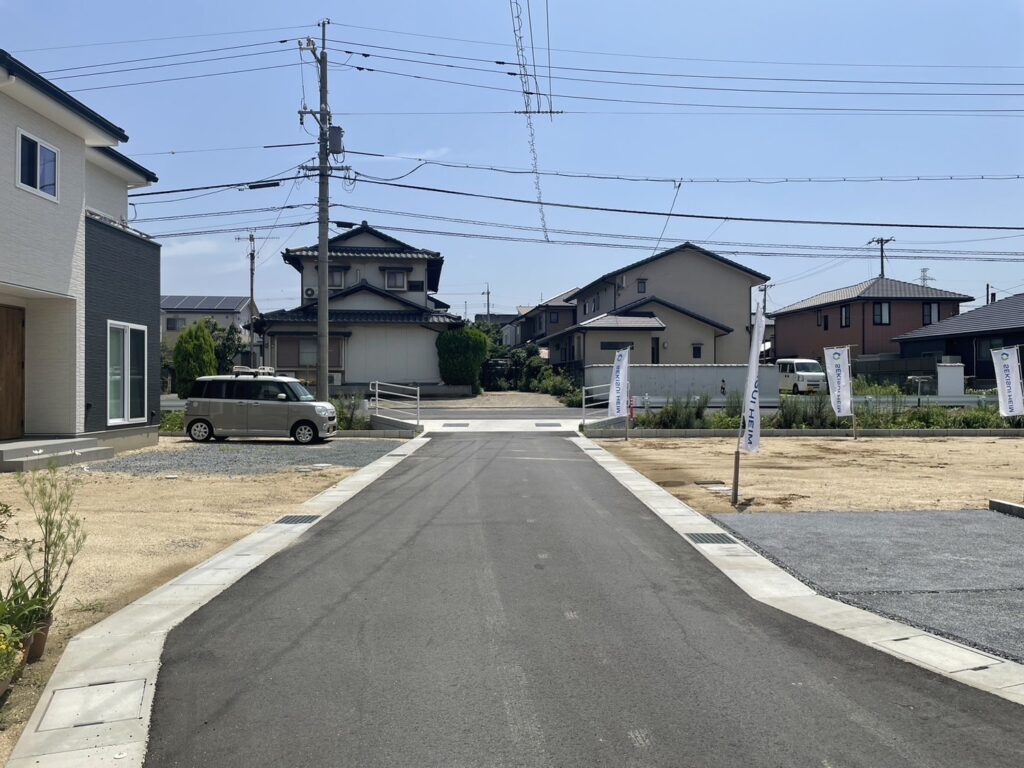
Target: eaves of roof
point(17, 69)
point(875, 288)
point(361, 316)
point(128, 163)
point(1002, 316)
point(363, 286)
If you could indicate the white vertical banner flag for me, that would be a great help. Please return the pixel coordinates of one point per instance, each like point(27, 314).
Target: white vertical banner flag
point(840, 386)
point(750, 439)
point(1008, 382)
point(618, 395)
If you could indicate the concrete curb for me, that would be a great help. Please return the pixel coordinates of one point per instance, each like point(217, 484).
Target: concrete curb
point(96, 707)
point(389, 433)
point(1006, 507)
point(602, 434)
point(769, 584)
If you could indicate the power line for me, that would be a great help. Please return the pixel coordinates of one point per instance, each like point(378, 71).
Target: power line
point(185, 77)
point(674, 75)
point(692, 58)
point(214, 186)
point(160, 39)
point(707, 217)
point(163, 56)
point(170, 64)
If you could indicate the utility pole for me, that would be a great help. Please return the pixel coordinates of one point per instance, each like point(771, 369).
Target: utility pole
point(487, 293)
point(323, 118)
point(881, 248)
point(252, 285)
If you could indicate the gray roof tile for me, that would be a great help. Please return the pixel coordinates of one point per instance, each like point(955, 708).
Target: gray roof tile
point(875, 288)
point(1004, 315)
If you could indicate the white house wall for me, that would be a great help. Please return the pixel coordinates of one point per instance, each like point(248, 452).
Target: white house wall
point(667, 381)
point(104, 192)
point(395, 353)
point(368, 300)
point(42, 247)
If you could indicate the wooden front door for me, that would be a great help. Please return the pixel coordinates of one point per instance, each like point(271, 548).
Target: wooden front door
point(12, 372)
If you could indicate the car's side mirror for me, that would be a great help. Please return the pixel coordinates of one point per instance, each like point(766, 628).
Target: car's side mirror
point(282, 396)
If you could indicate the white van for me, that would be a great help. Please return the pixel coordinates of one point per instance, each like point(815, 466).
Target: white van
point(800, 376)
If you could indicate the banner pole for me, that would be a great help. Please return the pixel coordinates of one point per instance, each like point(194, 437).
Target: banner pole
point(736, 477)
point(628, 404)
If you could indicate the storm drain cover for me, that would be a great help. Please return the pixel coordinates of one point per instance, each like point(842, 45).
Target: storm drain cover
point(297, 519)
point(710, 538)
point(546, 424)
point(709, 482)
point(457, 424)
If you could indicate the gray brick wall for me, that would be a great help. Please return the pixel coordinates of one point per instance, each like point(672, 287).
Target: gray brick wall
point(122, 283)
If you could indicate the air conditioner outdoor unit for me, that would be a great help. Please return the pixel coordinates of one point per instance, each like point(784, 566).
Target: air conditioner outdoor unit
point(309, 293)
point(334, 379)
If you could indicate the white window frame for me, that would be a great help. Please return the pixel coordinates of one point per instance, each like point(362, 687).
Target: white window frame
point(641, 285)
point(387, 277)
point(126, 351)
point(17, 167)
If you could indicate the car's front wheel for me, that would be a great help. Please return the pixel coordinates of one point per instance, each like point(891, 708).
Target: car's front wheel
point(304, 433)
point(200, 431)
point(796, 389)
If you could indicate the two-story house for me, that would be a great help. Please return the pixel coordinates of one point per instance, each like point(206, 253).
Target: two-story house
point(866, 316)
point(384, 319)
point(179, 312)
point(79, 289)
point(683, 305)
point(543, 320)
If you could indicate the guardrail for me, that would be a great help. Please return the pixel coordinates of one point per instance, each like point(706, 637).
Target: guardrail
point(596, 398)
point(395, 399)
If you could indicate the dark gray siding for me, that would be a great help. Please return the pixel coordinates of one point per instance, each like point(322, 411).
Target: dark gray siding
point(122, 283)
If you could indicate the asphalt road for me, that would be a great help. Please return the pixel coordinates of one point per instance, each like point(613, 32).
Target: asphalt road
point(539, 414)
point(500, 600)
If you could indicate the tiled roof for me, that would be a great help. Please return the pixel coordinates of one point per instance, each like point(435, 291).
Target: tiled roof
point(875, 288)
point(670, 251)
point(677, 308)
point(364, 252)
point(203, 303)
point(1004, 315)
point(627, 317)
point(361, 316)
point(623, 322)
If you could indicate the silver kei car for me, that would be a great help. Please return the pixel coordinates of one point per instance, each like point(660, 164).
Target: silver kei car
point(256, 403)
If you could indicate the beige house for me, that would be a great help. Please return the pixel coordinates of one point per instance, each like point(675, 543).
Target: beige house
point(683, 305)
point(537, 322)
point(384, 319)
point(179, 312)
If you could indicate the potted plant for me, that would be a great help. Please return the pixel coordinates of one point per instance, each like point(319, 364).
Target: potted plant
point(50, 557)
point(12, 656)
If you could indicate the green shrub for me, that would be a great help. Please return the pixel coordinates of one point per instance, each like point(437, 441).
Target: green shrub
point(193, 357)
point(172, 421)
point(347, 408)
point(460, 356)
point(734, 404)
point(573, 398)
point(865, 385)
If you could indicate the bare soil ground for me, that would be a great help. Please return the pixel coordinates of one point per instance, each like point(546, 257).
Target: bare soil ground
point(814, 474)
point(143, 531)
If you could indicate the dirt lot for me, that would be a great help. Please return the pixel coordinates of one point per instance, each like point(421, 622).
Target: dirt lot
point(142, 531)
point(814, 474)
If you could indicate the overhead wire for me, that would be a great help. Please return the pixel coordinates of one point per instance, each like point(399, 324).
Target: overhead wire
point(184, 77)
point(162, 39)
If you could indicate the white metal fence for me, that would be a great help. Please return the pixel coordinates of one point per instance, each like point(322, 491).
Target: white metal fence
point(595, 401)
point(398, 401)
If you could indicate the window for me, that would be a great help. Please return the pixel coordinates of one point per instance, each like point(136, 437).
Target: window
point(616, 345)
point(395, 280)
point(844, 316)
point(126, 373)
point(37, 166)
point(930, 312)
point(698, 350)
point(817, 318)
point(172, 323)
point(824, 322)
point(552, 317)
point(641, 285)
point(880, 313)
point(336, 277)
point(307, 353)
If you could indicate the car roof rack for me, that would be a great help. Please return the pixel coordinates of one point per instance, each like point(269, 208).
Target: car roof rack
point(245, 370)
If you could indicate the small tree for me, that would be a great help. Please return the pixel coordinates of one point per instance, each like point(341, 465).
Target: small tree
point(460, 355)
point(227, 344)
point(193, 357)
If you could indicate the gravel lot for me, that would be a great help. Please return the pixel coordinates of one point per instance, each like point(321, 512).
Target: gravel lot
point(244, 457)
point(955, 573)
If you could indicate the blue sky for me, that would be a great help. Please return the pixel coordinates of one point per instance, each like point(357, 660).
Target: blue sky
point(919, 42)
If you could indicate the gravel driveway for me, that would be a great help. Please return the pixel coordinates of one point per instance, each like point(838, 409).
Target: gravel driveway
point(955, 573)
point(245, 457)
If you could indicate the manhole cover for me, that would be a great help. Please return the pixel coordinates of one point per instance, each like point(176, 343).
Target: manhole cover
point(457, 424)
point(546, 424)
point(297, 519)
point(710, 538)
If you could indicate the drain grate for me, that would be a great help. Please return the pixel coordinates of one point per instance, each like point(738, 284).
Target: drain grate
point(457, 424)
point(546, 424)
point(297, 519)
point(711, 538)
point(709, 482)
